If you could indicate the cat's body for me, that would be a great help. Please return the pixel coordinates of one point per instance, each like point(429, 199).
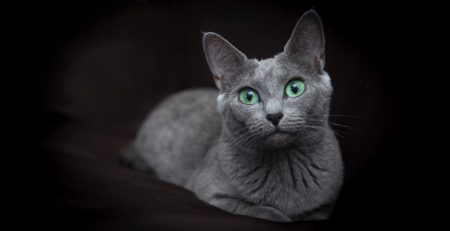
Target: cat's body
point(274, 157)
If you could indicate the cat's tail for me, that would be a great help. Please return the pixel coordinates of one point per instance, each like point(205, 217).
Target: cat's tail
point(130, 157)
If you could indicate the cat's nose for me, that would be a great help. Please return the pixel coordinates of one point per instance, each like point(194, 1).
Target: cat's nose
point(274, 118)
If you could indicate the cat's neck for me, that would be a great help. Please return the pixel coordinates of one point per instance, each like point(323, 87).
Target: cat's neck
point(301, 170)
point(310, 141)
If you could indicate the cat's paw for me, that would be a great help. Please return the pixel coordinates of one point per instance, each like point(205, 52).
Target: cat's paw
point(268, 213)
point(241, 207)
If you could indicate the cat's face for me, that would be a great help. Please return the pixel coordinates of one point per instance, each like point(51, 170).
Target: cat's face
point(269, 103)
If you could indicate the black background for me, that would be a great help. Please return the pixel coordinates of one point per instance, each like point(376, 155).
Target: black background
point(83, 74)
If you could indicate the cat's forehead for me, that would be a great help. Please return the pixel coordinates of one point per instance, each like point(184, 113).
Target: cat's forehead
point(267, 69)
point(278, 68)
point(266, 75)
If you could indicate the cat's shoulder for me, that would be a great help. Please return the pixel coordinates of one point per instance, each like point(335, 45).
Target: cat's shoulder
point(204, 100)
point(195, 94)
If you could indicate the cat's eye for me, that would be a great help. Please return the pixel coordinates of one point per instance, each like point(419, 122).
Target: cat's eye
point(295, 88)
point(248, 96)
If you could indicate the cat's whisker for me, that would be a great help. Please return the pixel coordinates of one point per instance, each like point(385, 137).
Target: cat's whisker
point(296, 121)
point(333, 115)
point(341, 125)
point(342, 137)
point(331, 123)
point(348, 116)
point(250, 135)
point(242, 129)
point(249, 130)
point(237, 140)
point(297, 117)
point(240, 133)
point(240, 136)
point(249, 138)
point(312, 127)
point(337, 133)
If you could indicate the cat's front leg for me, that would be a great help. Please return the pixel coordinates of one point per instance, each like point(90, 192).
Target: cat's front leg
point(321, 213)
point(242, 207)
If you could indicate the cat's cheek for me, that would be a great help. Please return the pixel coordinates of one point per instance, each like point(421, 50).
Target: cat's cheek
point(258, 116)
point(221, 103)
point(291, 113)
point(238, 112)
point(324, 85)
point(246, 114)
point(293, 106)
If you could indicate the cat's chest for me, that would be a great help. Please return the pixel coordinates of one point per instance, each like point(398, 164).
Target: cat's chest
point(292, 183)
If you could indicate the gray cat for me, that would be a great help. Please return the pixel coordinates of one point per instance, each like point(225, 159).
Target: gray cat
point(261, 146)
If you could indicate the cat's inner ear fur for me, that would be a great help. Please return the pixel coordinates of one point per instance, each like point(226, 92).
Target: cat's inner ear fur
point(306, 46)
point(225, 61)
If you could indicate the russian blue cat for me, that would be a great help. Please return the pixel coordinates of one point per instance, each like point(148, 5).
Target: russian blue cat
point(261, 144)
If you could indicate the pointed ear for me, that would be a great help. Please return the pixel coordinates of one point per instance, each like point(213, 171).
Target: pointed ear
point(225, 61)
point(307, 43)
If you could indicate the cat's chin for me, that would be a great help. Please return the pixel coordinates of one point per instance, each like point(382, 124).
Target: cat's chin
point(279, 139)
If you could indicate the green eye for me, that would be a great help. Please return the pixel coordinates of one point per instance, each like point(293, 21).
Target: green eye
point(248, 96)
point(295, 88)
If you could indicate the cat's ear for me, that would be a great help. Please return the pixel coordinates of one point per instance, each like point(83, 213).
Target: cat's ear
point(225, 61)
point(307, 43)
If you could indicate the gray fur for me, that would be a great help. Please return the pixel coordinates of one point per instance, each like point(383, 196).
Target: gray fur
point(230, 155)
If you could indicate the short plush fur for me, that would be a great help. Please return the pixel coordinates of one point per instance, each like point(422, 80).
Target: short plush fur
point(231, 154)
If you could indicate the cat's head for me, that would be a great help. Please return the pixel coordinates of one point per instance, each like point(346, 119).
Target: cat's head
point(271, 102)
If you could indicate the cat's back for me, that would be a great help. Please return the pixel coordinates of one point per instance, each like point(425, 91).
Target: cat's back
point(177, 134)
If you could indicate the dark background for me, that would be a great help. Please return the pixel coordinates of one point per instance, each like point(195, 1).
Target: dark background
point(83, 74)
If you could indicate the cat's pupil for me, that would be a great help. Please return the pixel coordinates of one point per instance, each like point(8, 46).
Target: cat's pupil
point(249, 95)
point(294, 88)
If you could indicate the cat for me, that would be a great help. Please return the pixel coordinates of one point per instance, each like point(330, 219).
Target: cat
point(261, 144)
